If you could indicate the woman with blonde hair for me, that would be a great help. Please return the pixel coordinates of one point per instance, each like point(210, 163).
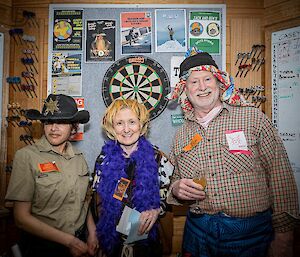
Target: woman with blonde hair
point(128, 156)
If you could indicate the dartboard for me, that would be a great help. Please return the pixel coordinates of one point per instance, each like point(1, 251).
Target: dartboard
point(140, 78)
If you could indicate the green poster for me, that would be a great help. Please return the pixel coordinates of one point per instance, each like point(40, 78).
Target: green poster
point(205, 31)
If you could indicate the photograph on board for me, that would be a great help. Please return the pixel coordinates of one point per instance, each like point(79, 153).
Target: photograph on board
point(67, 30)
point(170, 30)
point(100, 40)
point(136, 32)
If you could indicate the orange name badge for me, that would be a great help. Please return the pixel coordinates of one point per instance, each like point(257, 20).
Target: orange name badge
point(121, 188)
point(47, 167)
point(195, 141)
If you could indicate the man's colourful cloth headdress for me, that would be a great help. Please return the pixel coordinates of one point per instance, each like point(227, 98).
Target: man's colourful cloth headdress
point(201, 61)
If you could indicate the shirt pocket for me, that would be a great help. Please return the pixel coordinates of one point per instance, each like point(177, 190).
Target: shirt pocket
point(188, 162)
point(82, 183)
point(47, 189)
point(239, 162)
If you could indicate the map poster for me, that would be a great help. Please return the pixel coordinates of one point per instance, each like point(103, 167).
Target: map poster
point(136, 32)
point(67, 30)
point(66, 73)
point(100, 40)
point(205, 31)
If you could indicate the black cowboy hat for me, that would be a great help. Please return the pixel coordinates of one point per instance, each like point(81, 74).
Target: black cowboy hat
point(59, 108)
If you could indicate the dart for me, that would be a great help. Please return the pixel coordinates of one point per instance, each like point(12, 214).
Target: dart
point(9, 121)
point(12, 34)
point(25, 89)
point(11, 108)
point(32, 88)
point(29, 53)
point(26, 125)
point(31, 18)
point(26, 139)
point(262, 48)
point(262, 61)
point(19, 32)
point(248, 68)
point(239, 55)
point(30, 76)
point(17, 81)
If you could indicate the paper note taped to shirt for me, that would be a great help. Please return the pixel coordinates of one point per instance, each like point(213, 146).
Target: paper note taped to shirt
point(129, 225)
point(237, 142)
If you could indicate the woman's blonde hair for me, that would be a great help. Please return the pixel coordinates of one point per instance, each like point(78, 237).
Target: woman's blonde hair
point(139, 109)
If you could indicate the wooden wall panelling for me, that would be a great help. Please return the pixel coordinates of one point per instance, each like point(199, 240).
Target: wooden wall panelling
point(3, 136)
point(280, 11)
point(178, 226)
point(30, 99)
point(242, 4)
point(268, 3)
point(6, 12)
point(33, 3)
point(244, 33)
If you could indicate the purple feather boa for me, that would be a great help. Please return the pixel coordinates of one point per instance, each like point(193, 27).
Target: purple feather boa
point(145, 194)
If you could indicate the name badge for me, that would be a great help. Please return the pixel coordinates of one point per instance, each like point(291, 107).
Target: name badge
point(237, 142)
point(195, 141)
point(47, 167)
point(121, 188)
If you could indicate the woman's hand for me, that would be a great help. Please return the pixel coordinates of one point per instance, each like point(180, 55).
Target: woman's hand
point(77, 247)
point(147, 220)
point(92, 243)
point(92, 240)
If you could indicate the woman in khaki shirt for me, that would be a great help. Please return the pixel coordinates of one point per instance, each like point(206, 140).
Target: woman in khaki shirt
point(49, 186)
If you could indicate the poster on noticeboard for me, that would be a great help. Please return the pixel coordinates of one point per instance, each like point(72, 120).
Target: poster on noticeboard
point(136, 32)
point(205, 31)
point(100, 40)
point(66, 73)
point(170, 30)
point(67, 30)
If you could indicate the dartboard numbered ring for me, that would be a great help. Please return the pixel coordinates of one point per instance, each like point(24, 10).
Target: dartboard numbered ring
point(140, 78)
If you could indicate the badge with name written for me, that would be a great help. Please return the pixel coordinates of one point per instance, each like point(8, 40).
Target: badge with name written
point(121, 188)
point(237, 142)
point(195, 141)
point(47, 167)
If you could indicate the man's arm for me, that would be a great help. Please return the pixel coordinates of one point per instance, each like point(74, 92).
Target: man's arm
point(282, 245)
point(182, 188)
point(283, 189)
point(27, 222)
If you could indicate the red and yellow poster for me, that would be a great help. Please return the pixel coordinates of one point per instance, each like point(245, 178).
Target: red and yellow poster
point(136, 32)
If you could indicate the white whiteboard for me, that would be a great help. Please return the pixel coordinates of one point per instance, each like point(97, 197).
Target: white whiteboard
point(286, 92)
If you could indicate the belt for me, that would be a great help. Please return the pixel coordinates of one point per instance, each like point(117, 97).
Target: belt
point(198, 212)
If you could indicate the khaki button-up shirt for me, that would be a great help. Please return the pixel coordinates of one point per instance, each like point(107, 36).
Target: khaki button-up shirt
point(58, 197)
